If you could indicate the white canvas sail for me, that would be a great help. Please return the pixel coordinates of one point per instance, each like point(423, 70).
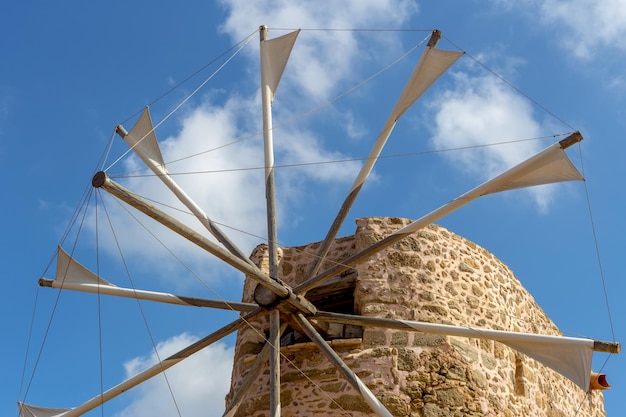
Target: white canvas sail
point(143, 141)
point(433, 63)
point(71, 275)
point(569, 356)
point(552, 168)
point(71, 272)
point(33, 411)
point(274, 56)
point(546, 167)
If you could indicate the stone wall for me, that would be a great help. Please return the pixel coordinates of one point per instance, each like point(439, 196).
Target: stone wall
point(432, 276)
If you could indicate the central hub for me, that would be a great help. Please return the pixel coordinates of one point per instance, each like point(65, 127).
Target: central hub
point(265, 297)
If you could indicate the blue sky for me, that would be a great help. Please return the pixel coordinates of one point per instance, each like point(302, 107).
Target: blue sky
point(72, 71)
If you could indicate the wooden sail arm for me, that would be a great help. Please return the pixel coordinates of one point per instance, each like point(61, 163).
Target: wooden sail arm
point(71, 275)
point(571, 357)
point(143, 142)
point(282, 290)
point(608, 347)
point(273, 59)
point(161, 297)
point(150, 372)
point(548, 166)
point(446, 329)
point(432, 64)
point(250, 378)
point(572, 139)
point(341, 366)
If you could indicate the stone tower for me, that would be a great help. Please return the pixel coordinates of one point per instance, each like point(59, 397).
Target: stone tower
point(431, 276)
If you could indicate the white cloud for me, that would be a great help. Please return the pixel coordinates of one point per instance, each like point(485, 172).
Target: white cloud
point(353, 129)
point(199, 383)
point(481, 110)
point(304, 148)
point(322, 59)
point(233, 198)
point(583, 26)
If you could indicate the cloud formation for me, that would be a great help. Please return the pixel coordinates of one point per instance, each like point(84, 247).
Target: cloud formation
point(586, 25)
point(480, 110)
point(322, 59)
point(198, 383)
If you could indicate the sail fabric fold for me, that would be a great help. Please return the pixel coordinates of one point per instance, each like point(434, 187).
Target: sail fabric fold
point(546, 167)
point(275, 53)
point(143, 141)
point(33, 411)
point(552, 167)
point(571, 357)
point(432, 64)
point(71, 272)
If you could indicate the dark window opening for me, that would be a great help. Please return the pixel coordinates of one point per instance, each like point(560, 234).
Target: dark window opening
point(336, 296)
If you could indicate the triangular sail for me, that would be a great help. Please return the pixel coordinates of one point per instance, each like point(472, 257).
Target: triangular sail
point(71, 272)
point(275, 54)
point(432, 64)
point(554, 167)
point(569, 356)
point(505, 181)
point(143, 141)
point(33, 411)
point(71, 275)
point(546, 167)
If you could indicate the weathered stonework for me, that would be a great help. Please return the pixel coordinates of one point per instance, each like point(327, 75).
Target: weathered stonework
point(431, 276)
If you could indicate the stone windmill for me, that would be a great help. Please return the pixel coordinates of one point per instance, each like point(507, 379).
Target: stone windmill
point(371, 323)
